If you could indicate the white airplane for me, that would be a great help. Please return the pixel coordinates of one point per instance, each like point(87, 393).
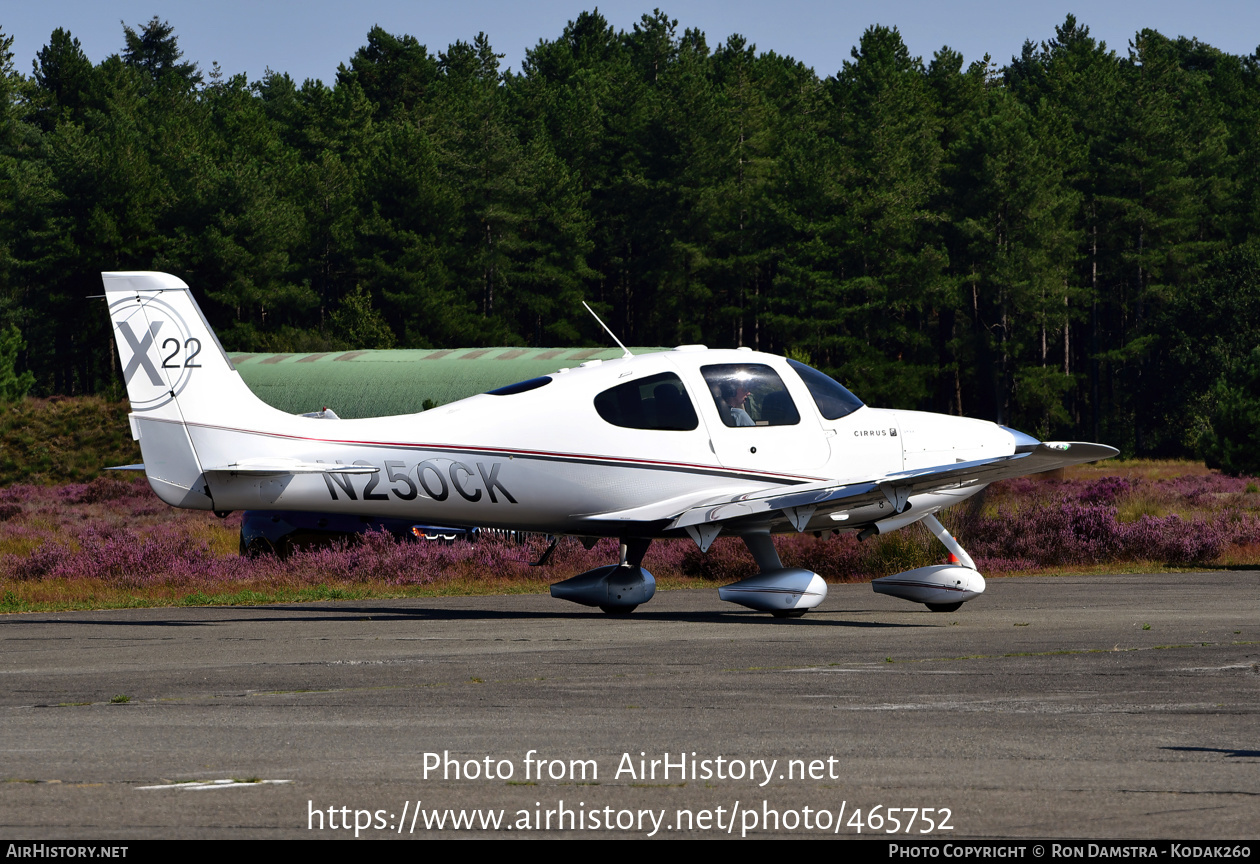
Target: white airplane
point(691, 442)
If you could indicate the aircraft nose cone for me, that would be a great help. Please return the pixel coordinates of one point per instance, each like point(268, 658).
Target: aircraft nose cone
point(1023, 443)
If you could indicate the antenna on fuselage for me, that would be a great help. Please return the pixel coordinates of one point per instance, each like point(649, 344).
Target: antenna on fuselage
point(609, 332)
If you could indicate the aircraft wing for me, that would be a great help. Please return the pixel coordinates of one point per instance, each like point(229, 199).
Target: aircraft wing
point(278, 467)
point(799, 504)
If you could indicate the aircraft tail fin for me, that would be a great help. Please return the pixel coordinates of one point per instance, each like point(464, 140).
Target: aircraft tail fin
point(176, 373)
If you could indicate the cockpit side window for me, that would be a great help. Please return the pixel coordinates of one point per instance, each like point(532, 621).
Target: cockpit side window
point(832, 398)
point(656, 402)
point(748, 394)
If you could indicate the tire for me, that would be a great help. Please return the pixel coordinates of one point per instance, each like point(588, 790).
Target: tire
point(944, 607)
point(789, 613)
point(619, 611)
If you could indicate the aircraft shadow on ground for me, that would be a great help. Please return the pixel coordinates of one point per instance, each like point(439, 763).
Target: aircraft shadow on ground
point(358, 613)
point(1248, 754)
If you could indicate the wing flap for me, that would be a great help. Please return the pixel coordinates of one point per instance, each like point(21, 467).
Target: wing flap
point(668, 509)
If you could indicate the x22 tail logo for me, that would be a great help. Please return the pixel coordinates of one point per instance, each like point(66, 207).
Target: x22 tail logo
point(160, 353)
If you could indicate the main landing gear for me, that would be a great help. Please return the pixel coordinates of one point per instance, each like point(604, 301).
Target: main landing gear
point(618, 589)
point(784, 592)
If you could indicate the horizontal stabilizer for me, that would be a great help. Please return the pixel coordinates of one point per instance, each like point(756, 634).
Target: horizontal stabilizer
point(139, 466)
point(274, 467)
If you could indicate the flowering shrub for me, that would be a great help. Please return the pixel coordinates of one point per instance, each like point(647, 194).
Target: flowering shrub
point(1058, 523)
point(114, 532)
point(1105, 491)
point(104, 488)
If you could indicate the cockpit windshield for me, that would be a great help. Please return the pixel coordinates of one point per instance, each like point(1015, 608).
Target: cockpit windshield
point(831, 397)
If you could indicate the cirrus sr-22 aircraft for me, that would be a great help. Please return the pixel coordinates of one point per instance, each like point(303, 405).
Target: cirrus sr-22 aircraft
point(693, 442)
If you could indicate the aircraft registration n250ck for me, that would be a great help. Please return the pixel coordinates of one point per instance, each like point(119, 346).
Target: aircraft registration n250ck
point(691, 442)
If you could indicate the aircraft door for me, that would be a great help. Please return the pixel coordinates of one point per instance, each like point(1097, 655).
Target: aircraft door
point(755, 423)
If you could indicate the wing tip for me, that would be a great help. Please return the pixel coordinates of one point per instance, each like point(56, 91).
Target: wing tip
point(1094, 452)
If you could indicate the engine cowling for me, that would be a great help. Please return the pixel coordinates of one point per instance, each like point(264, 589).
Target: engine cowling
point(614, 588)
point(941, 586)
point(786, 592)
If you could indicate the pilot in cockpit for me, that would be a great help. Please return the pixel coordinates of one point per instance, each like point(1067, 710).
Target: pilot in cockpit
point(734, 395)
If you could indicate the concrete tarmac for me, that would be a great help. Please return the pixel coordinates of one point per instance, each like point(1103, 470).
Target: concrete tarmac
point(1075, 707)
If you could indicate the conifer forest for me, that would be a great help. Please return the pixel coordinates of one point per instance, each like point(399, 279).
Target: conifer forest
point(1067, 242)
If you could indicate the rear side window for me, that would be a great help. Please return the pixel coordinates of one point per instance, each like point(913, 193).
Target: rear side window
point(521, 387)
point(831, 397)
point(656, 402)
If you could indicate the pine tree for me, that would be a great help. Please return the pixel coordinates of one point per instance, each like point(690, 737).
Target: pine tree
point(155, 51)
point(65, 78)
point(892, 261)
point(395, 72)
point(12, 385)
